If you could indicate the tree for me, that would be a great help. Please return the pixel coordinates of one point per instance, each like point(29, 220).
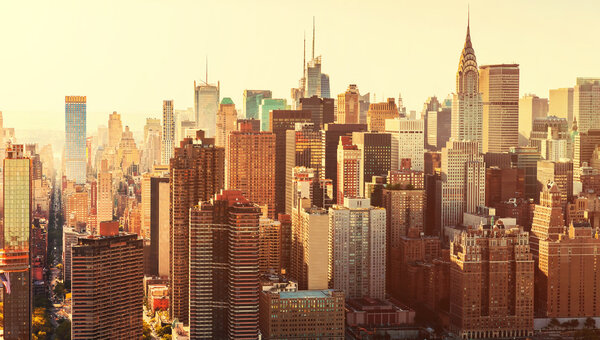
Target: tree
point(165, 330)
point(590, 323)
point(146, 331)
point(40, 324)
point(554, 322)
point(63, 331)
point(59, 290)
point(166, 337)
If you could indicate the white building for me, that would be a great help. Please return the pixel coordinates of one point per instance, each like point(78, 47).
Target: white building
point(408, 142)
point(463, 181)
point(358, 252)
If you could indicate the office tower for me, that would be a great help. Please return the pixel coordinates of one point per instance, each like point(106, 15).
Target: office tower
point(348, 106)
point(224, 259)
point(322, 110)
point(409, 136)
point(531, 107)
point(304, 147)
point(561, 103)
point(250, 125)
point(405, 206)
point(462, 181)
point(281, 121)
point(333, 132)
point(146, 210)
point(159, 227)
point(196, 174)
point(357, 262)
point(313, 77)
point(364, 101)
point(128, 155)
point(499, 86)
point(526, 157)
point(376, 152)
point(105, 198)
point(107, 288)
point(168, 135)
point(265, 109)
point(269, 246)
point(379, 112)
point(558, 172)
point(226, 120)
point(206, 104)
point(584, 144)
point(151, 144)
point(251, 166)
point(551, 136)
point(566, 285)
point(548, 217)
point(438, 126)
point(467, 102)
point(115, 129)
point(252, 100)
point(586, 104)
point(77, 207)
point(491, 290)
point(16, 243)
point(70, 237)
point(75, 117)
point(310, 247)
point(350, 170)
point(309, 314)
point(502, 184)
point(308, 190)
point(325, 90)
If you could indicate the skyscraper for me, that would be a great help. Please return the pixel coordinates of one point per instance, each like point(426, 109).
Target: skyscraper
point(463, 181)
point(325, 90)
point(558, 172)
point(115, 129)
point(251, 166)
point(586, 104)
point(252, 100)
point(333, 132)
point(322, 110)
point(107, 286)
point(376, 153)
point(499, 86)
point(226, 120)
point(224, 259)
point(281, 121)
point(358, 259)
point(305, 148)
point(532, 107)
point(105, 198)
point(310, 247)
point(75, 137)
point(491, 289)
point(548, 217)
point(379, 112)
point(561, 103)
point(168, 135)
point(348, 108)
point(410, 138)
point(197, 173)
point(350, 170)
point(16, 242)
point(206, 104)
point(467, 102)
point(265, 109)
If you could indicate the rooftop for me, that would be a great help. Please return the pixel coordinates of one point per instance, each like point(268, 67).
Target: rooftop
point(306, 294)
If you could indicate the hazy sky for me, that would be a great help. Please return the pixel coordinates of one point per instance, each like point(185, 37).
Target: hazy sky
point(130, 55)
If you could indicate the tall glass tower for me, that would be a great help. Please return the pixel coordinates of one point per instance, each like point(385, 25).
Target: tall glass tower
point(75, 161)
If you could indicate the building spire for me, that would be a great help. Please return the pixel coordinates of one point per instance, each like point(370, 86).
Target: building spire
point(304, 56)
point(313, 45)
point(206, 69)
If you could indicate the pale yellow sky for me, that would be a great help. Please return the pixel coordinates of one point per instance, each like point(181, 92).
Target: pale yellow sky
point(130, 55)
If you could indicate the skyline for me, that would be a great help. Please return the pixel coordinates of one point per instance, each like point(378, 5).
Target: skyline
point(127, 54)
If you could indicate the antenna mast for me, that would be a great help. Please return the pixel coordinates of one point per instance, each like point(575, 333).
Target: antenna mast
point(313, 45)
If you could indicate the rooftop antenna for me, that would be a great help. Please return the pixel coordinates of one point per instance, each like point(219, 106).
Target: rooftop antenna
point(313, 47)
point(304, 56)
point(206, 82)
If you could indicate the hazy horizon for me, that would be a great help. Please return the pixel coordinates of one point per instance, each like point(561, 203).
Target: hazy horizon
point(129, 56)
